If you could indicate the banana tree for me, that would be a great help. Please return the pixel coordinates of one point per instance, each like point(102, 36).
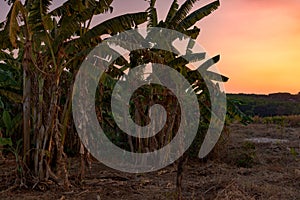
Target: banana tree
point(179, 19)
point(52, 45)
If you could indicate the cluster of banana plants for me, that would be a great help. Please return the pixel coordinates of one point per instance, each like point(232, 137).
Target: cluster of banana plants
point(178, 19)
point(41, 51)
point(49, 46)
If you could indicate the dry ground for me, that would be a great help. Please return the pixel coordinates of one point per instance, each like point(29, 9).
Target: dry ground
point(237, 170)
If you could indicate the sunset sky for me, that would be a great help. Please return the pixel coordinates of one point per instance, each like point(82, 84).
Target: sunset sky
point(258, 40)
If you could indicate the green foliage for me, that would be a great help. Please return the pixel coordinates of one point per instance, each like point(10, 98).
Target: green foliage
point(6, 78)
point(267, 105)
point(1, 103)
point(40, 45)
point(10, 96)
point(139, 108)
point(198, 15)
point(152, 21)
point(235, 114)
point(5, 141)
point(294, 152)
point(6, 119)
point(246, 155)
point(182, 12)
point(10, 124)
point(49, 42)
point(172, 11)
point(10, 79)
point(282, 121)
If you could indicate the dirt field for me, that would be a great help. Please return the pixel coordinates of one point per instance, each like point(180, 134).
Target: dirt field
point(238, 169)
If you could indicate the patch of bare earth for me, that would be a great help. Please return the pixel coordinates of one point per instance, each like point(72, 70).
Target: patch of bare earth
point(240, 169)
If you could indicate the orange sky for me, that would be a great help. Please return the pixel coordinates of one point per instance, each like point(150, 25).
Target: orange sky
point(259, 40)
point(259, 43)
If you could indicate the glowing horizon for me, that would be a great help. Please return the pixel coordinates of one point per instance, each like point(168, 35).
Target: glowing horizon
point(259, 43)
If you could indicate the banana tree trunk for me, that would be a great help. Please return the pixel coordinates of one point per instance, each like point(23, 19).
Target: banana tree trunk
point(26, 101)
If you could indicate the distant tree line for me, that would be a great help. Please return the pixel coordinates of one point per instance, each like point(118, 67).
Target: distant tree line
point(275, 104)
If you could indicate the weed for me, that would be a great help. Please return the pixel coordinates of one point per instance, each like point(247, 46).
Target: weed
point(281, 121)
point(247, 155)
point(293, 152)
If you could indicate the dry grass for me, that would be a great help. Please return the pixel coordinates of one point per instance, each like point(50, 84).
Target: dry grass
point(233, 192)
point(273, 174)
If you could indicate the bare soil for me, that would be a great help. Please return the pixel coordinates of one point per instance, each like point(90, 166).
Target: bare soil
point(237, 169)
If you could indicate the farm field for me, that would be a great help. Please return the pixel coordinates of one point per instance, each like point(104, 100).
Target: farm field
point(95, 75)
point(258, 161)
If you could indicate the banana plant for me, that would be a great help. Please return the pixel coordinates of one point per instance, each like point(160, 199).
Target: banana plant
point(10, 97)
point(52, 45)
point(179, 19)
